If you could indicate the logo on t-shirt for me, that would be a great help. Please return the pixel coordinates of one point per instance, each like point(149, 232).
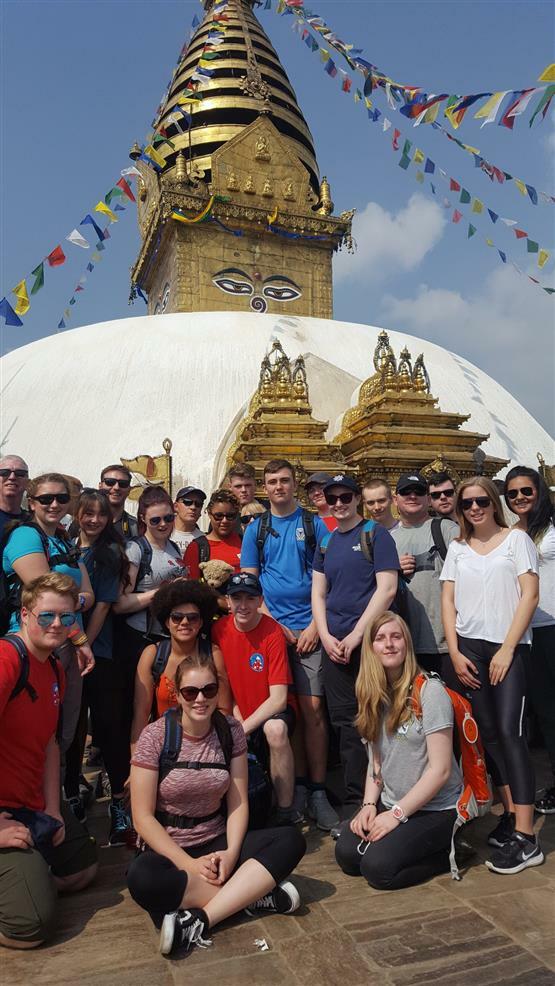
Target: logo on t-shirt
point(299, 533)
point(357, 547)
point(256, 662)
point(55, 695)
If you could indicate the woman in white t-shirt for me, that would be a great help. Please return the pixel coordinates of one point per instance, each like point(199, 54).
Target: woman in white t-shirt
point(527, 495)
point(490, 592)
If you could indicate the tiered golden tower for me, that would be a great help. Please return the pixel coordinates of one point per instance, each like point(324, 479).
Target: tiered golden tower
point(269, 236)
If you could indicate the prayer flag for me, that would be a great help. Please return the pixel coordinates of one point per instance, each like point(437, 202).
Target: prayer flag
point(508, 120)
point(395, 141)
point(107, 234)
point(330, 68)
point(112, 195)
point(78, 240)
point(429, 167)
point(493, 215)
point(141, 295)
point(72, 300)
point(347, 83)
point(386, 124)
point(457, 216)
point(61, 324)
point(543, 104)
point(96, 256)
point(102, 207)
point(520, 185)
point(533, 195)
point(89, 219)
point(56, 257)
point(67, 312)
point(23, 303)
point(508, 222)
point(464, 196)
point(489, 110)
point(155, 156)
point(490, 243)
point(407, 146)
point(477, 206)
point(7, 312)
point(38, 274)
point(543, 257)
point(79, 287)
point(404, 161)
point(119, 208)
point(548, 74)
point(454, 186)
point(433, 188)
point(419, 176)
point(90, 268)
point(418, 156)
point(503, 256)
point(471, 230)
point(130, 171)
point(531, 246)
point(520, 234)
point(100, 245)
point(549, 290)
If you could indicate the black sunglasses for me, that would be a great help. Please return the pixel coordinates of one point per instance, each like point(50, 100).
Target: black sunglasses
point(167, 518)
point(123, 484)
point(409, 490)
point(47, 499)
point(524, 491)
point(480, 501)
point(191, 503)
point(333, 498)
point(219, 515)
point(177, 617)
point(246, 518)
point(19, 473)
point(437, 494)
point(190, 692)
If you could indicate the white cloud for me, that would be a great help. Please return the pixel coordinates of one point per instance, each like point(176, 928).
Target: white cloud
point(388, 243)
point(505, 326)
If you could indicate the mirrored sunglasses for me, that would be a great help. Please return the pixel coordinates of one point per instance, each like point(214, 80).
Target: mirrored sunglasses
point(46, 618)
point(190, 692)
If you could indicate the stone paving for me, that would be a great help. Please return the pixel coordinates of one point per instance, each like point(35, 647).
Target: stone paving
point(483, 930)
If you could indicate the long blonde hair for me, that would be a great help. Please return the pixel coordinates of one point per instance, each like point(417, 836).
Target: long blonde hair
point(490, 489)
point(376, 697)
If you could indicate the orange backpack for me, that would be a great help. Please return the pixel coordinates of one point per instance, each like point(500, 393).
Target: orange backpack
point(475, 798)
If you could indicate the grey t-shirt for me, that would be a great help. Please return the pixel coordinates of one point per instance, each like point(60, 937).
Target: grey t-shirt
point(184, 538)
point(424, 588)
point(165, 565)
point(404, 754)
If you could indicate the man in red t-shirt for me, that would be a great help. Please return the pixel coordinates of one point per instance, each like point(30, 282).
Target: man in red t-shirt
point(255, 655)
point(43, 847)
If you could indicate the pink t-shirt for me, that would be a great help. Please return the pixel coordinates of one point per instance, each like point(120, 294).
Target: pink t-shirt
point(191, 792)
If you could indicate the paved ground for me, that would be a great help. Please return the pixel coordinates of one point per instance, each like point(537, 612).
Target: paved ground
point(486, 929)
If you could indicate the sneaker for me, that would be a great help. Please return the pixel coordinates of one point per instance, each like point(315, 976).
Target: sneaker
point(183, 929)
point(283, 899)
point(516, 855)
point(299, 799)
point(546, 803)
point(120, 823)
point(320, 810)
point(78, 809)
point(287, 816)
point(503, 831)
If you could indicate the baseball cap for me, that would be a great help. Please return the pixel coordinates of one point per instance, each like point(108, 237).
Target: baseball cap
point(243, 582)
point(185, 490)
point(342, 480)
point(408, 480)
point(317, 477)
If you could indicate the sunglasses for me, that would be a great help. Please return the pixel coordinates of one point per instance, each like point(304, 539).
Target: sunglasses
point(177, 617)
point(19, 473)
point(333, 498)
point(219, 515)
point(123, 484)
point(47, 618)
point(437, 494)
point(167, 518)
point(190, 692)
point(480, 501)
point(246, 519)
point(47, 499)
point(197, 504)
point(524, 491)
point(410, 490)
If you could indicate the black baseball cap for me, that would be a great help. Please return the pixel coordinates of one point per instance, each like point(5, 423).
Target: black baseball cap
point(342, 480)
point(186, 490)
point(318, 477)
point(243, 582)
point(411, 481)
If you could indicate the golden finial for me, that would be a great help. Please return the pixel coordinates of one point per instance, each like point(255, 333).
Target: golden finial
point(181, 167)
point(382, 352)
point(405, 370)
point(420, 376)
point(326, 204)
point(167, 445)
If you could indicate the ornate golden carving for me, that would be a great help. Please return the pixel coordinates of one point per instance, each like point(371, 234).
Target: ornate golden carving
point(262, 152)
point(232, 183)
point(267, 189)
point(326, 204)
point(288, 191)
point(249, 186)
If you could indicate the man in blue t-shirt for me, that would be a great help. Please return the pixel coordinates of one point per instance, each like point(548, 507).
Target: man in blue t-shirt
point(284, 565)
point(348, 593)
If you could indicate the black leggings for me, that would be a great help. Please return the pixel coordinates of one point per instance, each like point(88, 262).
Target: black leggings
point(499, 711)
point(158, 886)
point(413, 852)
point(339, 686)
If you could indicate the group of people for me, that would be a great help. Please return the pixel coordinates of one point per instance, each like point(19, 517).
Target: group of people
point(327, 618)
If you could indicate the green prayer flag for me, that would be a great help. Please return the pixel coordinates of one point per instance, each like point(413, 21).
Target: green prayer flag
point(38, 273)
point(407, 146)
point(471, 230)
point(532, 246)
point(404, 162)
point(465, 196)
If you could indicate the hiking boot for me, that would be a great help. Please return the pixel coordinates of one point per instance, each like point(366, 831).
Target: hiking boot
point(78, 809)
point(120, 823)
point(299, 799)
point(320, 810)
point(283, 899)
point(183, 929)
point(520, 852)
point(503, 831)
point(546, 802)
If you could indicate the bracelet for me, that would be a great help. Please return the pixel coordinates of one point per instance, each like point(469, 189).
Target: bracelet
point(369, 804)
point(78, 638)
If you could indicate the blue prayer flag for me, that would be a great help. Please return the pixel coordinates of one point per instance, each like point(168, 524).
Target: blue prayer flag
point(7, 312)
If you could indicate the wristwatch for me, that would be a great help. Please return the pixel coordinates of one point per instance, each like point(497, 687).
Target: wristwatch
point(399, 814)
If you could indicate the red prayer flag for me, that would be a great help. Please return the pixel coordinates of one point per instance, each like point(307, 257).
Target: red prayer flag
point(454, 185)
point(519, 233)
point(395, 141)
point(457, 216)
point(57, 257)
point(126, 189)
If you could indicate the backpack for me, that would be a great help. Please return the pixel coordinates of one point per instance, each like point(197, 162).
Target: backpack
point(260, 791)
point(265, 530)
point(163, 651)
point(23, 683)
point(367, 534)
point(475, 798)
point(145, 564)
point(438, 539)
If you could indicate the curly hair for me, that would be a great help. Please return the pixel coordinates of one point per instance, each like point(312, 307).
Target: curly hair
point(222, 496)
point(182, 591)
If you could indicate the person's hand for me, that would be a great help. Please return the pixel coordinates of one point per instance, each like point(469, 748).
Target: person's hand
point(500, 664)
point(13, 834)
point(85, 659)
point(226, 861)
point(308, 640)
point(289, 635)
point(466, 671)
point(59, 834)
point(362, 821)
point(350, 643)
point(383, 823)
point(207, 867)
point(408, 564)
point(333, 648)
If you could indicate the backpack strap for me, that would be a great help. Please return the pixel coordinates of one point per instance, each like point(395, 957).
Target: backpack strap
point(223, 731)
point(205, 645)
point(438, 539)
point(22, 683)
point(203, 548)
point(163, 651)
point(173, 734)
point(54, 664)
point(145, 564)
point(264, 530)
point(367, 534)
point(325, 542)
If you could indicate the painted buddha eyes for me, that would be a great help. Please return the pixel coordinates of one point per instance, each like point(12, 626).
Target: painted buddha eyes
point(285, 293)
point(231, 286)
point(232, 280)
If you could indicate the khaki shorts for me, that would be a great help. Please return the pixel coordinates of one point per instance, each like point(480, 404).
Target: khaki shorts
point(27, 890)
point(306, 670)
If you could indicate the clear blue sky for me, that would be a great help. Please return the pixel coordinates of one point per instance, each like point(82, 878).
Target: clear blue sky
point(81, 80)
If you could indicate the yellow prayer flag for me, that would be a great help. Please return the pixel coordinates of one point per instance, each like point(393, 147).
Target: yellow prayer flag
point(451, 113)
point(23, 303)
point(324, 55)
point(477, 206)
point(102, 207)
point(419, 176)
point(543, 257)
point(430, 116)
point(368, 103)
point(548, 74)
point(418, 156)
point(491, 104)
point(273, 217)
point(151, 152)
point(490, 243)
point(520, 185)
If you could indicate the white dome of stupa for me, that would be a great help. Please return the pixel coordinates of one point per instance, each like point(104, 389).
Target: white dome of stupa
point(78, 400)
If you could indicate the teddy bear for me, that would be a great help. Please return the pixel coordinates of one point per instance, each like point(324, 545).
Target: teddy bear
point(216, 573)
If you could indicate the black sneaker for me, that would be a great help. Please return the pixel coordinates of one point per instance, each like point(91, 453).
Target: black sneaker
point(283, 899)
point(183, 929)
point(78, 809)
point(503, 831)
point(516, 855)
point(546, 803)
point(120, 823)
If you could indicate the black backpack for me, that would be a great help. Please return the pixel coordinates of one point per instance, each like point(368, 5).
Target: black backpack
point(145, 564)
point(265, 530)
point(163, 651)
point(438, 539)
point(23, 683)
